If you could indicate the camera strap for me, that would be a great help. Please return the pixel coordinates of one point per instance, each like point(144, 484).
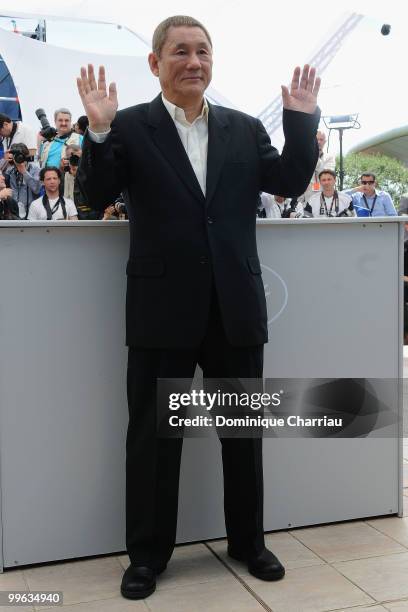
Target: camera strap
point(20, 183)
point(50, 212)
point(335, 203)
point(9, 139)
point(366, 203)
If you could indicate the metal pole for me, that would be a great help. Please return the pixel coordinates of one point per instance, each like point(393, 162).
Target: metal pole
point(341, 173)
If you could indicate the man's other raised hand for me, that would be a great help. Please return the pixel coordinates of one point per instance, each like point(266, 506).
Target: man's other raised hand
point(100, 105)
point(302, 95)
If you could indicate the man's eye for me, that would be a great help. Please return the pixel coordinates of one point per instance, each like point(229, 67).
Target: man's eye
point(180, 52)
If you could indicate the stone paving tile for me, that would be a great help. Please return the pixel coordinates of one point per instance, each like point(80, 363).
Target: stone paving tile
point(13, 580)
point(80, 581)
point(310, 589)
point(346, 541)
point(397, 606)
point(115, 604)
point(395, 527)
point(226, 595)
point(289, 551)
point(374, 608)
point(383, 578)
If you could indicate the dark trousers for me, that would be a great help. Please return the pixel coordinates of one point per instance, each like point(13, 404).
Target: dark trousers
point(153, 463)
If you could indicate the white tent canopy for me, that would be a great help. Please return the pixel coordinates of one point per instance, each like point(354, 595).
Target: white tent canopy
point(256, 45)
point(45, 76)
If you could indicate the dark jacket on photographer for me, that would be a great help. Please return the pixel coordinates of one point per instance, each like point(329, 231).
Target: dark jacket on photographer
point(26, 186)
point(9, 210)
point(73, 192)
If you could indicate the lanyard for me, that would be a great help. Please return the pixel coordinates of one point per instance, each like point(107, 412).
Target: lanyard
point(9, 139)
point(366, 203)
point(323, 205)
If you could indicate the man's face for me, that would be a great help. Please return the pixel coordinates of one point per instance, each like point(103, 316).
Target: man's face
point(184, 67)
point(6, 130)
point(321, 140)
point(63, 123)
point(327, 181)
point(51, 181)
point(368, 185)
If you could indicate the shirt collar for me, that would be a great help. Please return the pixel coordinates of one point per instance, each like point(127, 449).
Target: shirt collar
point(178, 114)
point(376, 193)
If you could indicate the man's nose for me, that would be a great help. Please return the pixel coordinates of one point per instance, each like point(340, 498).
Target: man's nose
point(194, 61)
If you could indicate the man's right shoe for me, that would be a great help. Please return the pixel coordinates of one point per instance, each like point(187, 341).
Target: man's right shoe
point(139, 581)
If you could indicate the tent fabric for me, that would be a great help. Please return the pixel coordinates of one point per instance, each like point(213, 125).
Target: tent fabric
point(45, 76)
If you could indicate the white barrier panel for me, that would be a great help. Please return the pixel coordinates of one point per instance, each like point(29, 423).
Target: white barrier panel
point(335, 310)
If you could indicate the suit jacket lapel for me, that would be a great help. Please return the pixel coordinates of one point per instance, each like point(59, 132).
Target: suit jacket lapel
point(218, 139)
point(166, 137)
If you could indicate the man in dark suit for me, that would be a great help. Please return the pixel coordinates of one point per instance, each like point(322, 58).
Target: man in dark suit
point(191, 174)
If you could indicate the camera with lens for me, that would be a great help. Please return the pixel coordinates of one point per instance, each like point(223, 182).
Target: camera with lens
point(47, 131)
point(20, 153)
point(347, 212)
point(120, 206)
point(291, 210)
point(74, 160)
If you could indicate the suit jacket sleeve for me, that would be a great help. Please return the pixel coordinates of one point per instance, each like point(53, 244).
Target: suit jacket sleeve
point(103, 170)
point(289, 174)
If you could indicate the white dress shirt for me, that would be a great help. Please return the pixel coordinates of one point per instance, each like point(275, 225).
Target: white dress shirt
point(194, 137)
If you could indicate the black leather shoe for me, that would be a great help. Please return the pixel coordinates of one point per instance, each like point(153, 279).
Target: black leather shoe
point(139, 581)
point(264, 566)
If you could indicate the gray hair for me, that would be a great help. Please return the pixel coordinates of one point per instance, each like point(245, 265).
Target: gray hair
point(63, 110)
point(160, 33)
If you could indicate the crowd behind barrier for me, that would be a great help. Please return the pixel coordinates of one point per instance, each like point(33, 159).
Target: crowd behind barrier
point(24, 195)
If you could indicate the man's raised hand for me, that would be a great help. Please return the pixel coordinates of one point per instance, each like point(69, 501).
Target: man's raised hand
point(100, 105)
point(304, 88)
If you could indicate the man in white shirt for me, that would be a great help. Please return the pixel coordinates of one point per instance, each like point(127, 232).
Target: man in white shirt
point(52, 205)
point(324, 162)
point(329, 202)
point(15, 131)
point(278, 207)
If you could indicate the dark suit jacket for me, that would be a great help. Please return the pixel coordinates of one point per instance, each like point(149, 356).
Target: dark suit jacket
point(181, 242)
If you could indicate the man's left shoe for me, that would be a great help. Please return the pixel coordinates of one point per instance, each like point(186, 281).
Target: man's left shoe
point(264, 566)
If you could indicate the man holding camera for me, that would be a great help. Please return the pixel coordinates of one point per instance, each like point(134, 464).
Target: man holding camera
point(328, 202)
point(23, 177)
point(8, 206)
point(53, 150)
point(15, 131)
point(72, 191)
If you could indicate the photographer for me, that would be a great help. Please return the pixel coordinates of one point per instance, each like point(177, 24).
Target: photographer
point(328, 202)
point(277, 207)
point(15, 131)
point(8, 206)
point(23, 177)
point(116, 211)
point(54, 149)
point(69, 168)
point(52, 206)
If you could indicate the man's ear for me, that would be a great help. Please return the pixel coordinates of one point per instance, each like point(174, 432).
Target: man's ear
point(154, 63)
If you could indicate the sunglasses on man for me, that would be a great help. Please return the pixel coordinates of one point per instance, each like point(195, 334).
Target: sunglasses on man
point(367, 182)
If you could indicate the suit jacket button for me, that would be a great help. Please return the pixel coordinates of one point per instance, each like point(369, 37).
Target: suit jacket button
point(203, 260)
point(210, 220)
